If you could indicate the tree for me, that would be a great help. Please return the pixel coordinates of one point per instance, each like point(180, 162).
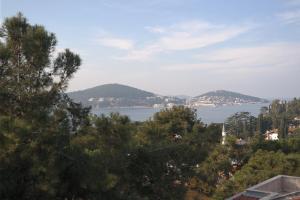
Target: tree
point(241, 124)
point(30, 81)
point(177, 120)
point(37, 119)
point(277, 108)
point(293, 108)
point(283, 128)
point(169, 146)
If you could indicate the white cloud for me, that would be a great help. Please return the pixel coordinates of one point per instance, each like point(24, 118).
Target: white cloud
point(187, 40)
point(155, 29)
point(185, 36)
point(143, 54)
point(116, 42)
point(257, 58)
point(290, 17)
point(194, 26)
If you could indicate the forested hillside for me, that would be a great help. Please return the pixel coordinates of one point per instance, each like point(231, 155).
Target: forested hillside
point(117, 95)
point(110, 90)
point(53, 148)
point(223, 97)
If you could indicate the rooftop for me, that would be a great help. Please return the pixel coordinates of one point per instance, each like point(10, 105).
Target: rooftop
point(280, 187)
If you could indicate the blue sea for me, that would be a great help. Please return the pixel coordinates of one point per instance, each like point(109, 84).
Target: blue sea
point(207, 114)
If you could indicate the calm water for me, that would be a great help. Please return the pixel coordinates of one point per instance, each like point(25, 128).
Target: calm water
point(207, 114)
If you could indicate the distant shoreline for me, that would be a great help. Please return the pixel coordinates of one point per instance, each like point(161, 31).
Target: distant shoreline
point(207, 114)
point(195, 107)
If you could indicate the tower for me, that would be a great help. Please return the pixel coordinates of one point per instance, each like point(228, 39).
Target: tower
point(223, 134)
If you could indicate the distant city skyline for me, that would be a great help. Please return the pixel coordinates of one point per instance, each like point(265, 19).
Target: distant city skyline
point(176, 47)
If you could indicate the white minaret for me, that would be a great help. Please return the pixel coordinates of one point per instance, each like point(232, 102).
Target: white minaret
point(223, 134)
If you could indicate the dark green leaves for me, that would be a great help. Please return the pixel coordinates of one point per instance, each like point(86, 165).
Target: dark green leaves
point(66, 64)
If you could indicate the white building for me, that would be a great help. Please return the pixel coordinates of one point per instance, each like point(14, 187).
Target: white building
point(170, 105)
point(223, 134)
point(158, 105)
point(271, 135)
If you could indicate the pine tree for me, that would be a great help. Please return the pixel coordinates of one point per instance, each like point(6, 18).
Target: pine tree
point(283, 128)
point(29, 78)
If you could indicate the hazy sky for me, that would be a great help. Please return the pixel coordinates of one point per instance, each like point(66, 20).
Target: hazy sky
point(177, 46)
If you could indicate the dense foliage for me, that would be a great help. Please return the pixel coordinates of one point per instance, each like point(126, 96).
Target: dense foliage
point(53, 148)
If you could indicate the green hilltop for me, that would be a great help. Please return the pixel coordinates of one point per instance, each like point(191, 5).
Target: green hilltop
point(110, 91)
point(233, 95)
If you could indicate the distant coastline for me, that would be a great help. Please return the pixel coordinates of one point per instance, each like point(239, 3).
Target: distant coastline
point(185, 105)
point(122, 96)
point(207, 114)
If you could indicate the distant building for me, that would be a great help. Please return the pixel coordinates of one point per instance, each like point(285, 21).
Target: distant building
point(158, 105)
point(177, 137)
point(170, 105)
point(297, 119)
point(296, 122)
point(223, 134)
point(280, 187)
point(240, 142)
point(294, 126)
point(271, 134)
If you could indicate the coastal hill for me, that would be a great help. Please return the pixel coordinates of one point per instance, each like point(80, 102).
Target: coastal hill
point(110, 91)
point(223, 97)
point(117, 95)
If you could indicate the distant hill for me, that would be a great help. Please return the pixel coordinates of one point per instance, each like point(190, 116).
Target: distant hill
point(117, 95)
point(223, 97)
point(229, 94)
point(110, 91)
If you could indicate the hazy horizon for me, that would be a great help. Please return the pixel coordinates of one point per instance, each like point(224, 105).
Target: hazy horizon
point(177, 47)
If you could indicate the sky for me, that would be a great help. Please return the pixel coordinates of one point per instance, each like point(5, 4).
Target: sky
point(176, 47)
